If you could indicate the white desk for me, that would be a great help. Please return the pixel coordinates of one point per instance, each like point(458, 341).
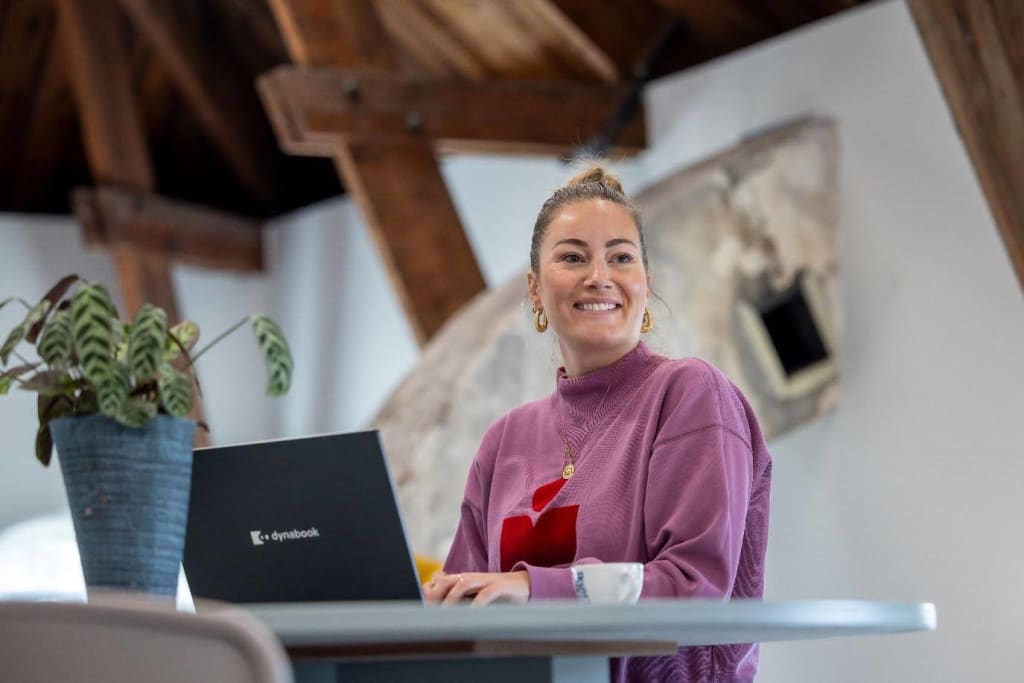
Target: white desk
point(567, 640)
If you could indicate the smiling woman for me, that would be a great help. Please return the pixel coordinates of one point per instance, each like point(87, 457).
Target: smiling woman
point(634, 458)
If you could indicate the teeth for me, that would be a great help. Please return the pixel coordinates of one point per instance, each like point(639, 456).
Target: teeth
point(596, 307)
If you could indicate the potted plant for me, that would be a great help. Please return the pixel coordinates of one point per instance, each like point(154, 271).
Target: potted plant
point(113, 397)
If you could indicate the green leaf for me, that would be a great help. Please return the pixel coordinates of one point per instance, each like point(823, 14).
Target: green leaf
point(276, 353)
point(112, 392)
point(55, 342)
point(175, 391)
point(19, 332)
point(136, 411)
point(93, 318)
point(49, 408)
point(146, 341)
point(5, 385)
point(184, 335)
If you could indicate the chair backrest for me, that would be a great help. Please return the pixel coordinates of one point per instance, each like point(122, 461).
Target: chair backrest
point(122, 638)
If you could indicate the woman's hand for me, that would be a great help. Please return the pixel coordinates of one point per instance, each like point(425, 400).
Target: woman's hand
point(484, 588)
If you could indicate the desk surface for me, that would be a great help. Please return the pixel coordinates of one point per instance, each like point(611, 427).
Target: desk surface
point(685, 622)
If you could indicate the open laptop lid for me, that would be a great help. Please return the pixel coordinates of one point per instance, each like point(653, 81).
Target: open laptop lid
point(293, 520)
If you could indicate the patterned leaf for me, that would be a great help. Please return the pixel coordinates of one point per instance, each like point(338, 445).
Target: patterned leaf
point(93, 319)
point(55, 342)
point(136, 411)
point(175, 391)
point(146, 341)
point(18, 333)
point(276, 353)
point(53, 296)
point(185, 335)
point(112, 392)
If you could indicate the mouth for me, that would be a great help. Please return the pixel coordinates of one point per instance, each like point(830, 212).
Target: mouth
point(596, 307)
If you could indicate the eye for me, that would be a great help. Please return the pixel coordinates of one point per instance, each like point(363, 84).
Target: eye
point(623, 258)
point(571, 257)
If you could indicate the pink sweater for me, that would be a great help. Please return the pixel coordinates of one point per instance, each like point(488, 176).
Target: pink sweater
point(671, 471)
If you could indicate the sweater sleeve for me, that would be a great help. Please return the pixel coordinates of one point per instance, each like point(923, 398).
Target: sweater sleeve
point(698, 491)
point(468, 552)
point(469, 548)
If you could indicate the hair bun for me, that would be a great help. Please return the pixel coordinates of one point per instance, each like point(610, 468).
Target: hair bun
point(596, 174)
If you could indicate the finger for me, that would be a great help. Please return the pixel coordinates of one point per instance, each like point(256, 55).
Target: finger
point(465, 584)
point(486, 596)
point(440, 586)
point(432, 594)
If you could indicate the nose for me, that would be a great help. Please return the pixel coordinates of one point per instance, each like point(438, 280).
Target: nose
point(597, 275)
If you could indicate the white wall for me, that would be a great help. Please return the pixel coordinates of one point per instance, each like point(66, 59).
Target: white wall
point(907, 492)
point(910, 491)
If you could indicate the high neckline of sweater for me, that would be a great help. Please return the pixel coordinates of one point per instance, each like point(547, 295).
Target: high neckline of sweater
point(584, 395)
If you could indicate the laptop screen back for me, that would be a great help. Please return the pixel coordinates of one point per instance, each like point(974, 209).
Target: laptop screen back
point(297, 520)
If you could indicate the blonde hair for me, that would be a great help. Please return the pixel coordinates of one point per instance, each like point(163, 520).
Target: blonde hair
point(593, 182)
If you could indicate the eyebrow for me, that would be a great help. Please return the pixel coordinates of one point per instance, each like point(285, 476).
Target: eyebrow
point(610, 243)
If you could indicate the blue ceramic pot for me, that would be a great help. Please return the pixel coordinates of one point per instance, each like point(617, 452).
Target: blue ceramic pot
point(128, 491)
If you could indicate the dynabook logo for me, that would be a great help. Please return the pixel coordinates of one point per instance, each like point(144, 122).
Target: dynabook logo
point(261, 537)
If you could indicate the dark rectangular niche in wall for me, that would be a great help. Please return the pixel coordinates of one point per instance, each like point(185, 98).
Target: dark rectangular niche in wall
point(792, 329)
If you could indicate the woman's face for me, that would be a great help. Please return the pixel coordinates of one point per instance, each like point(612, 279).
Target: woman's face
point(592, 283)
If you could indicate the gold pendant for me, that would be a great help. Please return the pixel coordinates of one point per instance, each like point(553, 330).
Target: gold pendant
point(568, 470)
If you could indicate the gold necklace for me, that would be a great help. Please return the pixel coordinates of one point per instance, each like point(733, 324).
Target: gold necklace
point(569, 467)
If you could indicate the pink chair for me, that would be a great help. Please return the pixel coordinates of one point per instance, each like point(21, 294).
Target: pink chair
point(126, 638)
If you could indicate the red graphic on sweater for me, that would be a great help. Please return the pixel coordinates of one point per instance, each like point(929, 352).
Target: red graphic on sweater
point(546, 493)
point(549, 542)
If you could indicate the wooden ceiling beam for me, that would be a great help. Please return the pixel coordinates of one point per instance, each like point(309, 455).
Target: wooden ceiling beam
point(314, 111)
point(214, 93)
point(405, 201)
point(721, 26)
point(395, 182)
point(51, 132)
point(332, 32)
point(624, 32)
point(185, 232)
point(26, 31)
point(112, 130)
point(976, 51)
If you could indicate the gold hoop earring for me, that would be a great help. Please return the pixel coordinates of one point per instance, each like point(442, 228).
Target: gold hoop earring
point(647, 323)
point(540, 319)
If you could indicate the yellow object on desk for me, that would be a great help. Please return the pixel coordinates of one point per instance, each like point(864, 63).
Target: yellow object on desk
point(426, 567)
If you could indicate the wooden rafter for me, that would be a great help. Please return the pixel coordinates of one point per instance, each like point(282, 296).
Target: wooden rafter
point(26, 29)
point(188, 233)
point(313, 111)
point(50, 133)
point(623, 32)
point(332, 32)
point(112, 129)
point(402, 194)
point(976, 50)
point(212, 91)
point(525, 39)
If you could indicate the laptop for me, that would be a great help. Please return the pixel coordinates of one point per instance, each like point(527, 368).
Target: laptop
point(297, 520)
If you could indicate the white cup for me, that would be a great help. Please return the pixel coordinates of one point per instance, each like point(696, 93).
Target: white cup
point(611, 583)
